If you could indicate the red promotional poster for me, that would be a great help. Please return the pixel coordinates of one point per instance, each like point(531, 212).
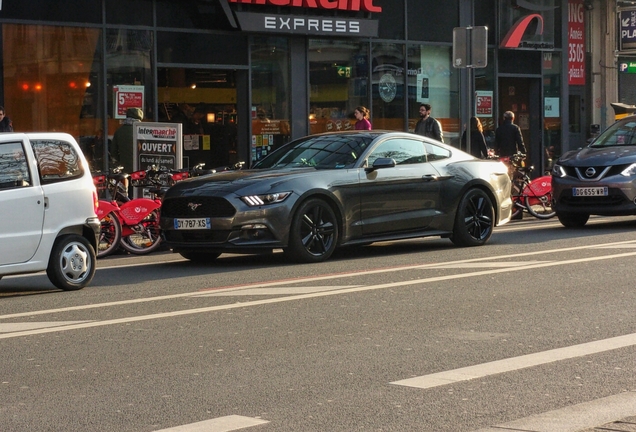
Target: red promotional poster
point(127, 96)
point(576, 42)
point(483, 103)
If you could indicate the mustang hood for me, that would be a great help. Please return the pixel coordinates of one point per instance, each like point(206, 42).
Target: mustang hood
point(590, 156)
point(233, 181)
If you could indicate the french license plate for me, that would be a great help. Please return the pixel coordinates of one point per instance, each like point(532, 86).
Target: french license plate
point(589, 191)
point(192, 224)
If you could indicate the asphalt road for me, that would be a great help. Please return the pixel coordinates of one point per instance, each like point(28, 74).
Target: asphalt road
point(535, 331)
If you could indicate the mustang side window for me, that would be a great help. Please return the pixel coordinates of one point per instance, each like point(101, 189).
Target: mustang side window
point(57, 160)
point(14, 172)
point(436, 152)
point(403, 150)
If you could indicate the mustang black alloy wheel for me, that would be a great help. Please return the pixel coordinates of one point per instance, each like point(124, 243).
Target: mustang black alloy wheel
point(314, 232)
point(475, 219)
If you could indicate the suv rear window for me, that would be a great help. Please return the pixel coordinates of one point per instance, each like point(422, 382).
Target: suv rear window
point(57, 160)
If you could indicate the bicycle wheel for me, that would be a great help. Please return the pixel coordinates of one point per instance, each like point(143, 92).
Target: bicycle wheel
point(146, 236)
point(540, 206)
point(518, 202)
point(109, 235)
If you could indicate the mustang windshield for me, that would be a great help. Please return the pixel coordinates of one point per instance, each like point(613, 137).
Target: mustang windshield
point(619, 134)
point(320, 152)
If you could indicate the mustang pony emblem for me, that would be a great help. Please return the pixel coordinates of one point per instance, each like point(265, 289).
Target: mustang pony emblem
point(194, 206)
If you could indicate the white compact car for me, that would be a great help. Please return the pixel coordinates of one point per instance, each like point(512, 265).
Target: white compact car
point(47, 209)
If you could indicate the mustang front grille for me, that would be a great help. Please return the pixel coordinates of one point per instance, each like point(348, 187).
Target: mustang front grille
point(200, 206)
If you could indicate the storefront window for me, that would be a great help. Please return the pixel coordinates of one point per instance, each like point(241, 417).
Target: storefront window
point(270, 95)
point(388, 77)
point(50, 82)
point(129, 75)
point(432, 80)
point(338, 80)
point(551, 107)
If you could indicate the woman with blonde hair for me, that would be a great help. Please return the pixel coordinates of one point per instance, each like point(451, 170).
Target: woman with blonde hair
point(362, 115)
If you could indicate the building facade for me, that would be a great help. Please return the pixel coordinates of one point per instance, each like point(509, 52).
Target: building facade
point(245, 76)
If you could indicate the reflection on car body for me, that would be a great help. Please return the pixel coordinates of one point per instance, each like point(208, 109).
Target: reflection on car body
point(336, 189)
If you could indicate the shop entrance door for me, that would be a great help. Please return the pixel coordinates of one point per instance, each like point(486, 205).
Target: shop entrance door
point(204, 101)
point(523, 97)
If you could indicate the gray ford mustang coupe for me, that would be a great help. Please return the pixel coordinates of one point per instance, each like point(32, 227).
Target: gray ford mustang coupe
point(324, 191)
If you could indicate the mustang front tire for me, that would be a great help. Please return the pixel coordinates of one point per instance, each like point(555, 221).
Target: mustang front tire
point(313, 234)
point(475, 219)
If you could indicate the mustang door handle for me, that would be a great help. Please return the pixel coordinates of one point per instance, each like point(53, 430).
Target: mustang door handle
point(429, 177)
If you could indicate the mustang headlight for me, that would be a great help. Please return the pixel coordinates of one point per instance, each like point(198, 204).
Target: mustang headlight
point(265, 199)
point(629, 171)
point(558, 171)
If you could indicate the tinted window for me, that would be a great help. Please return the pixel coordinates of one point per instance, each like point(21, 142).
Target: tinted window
point(57, 160)
point(403, 151)
point(14, 170)
point(619, 134)
point(323, 152)
point(436, 152)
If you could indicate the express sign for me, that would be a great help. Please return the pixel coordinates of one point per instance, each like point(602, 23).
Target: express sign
point(344, 5)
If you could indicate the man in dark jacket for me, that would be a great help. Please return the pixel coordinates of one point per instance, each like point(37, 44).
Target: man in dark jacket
point(508, 138)
point(427, 125)
point(5, 122)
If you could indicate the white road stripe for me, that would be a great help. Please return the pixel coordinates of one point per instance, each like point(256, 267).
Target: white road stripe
point(516, 363)
point(576, 417)
point(276, 291)
point(543, 253)
point(14, 327)
point(314, 295)
point(221, 424)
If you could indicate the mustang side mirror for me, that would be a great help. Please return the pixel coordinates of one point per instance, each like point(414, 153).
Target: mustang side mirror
point(381, 163)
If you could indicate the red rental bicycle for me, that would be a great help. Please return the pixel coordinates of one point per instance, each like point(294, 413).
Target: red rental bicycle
point(133, 224)
point(533, 195)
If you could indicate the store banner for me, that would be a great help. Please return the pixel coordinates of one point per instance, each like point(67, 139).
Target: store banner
point(307, 25)
point(576, 42)
point(628, 30)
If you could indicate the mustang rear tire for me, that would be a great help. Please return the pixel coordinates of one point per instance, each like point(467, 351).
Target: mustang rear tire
point(570, 220)
point(314, 233)
point(72, 263)
point(475, 219)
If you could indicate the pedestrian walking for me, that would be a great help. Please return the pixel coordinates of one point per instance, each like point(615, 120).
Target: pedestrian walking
point(6, 125)
point(427, 125)
point(362, 115)
point(478, 147)
point(508, 138)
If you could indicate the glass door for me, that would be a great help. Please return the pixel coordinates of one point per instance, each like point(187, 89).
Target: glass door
point(204, 102)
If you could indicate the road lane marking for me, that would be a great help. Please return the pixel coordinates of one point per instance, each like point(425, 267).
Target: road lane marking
point(384, 270)
point(576, 417)
point(488, 264)
point(515, 363)
point(313, 295)
point(277, 290)
point(14, 327)
point(221, 424)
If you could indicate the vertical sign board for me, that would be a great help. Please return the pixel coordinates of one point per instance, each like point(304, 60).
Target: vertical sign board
point(158, 145)
point(628, 30)
point(483, 103)
point(127, 96)
point(576, 42)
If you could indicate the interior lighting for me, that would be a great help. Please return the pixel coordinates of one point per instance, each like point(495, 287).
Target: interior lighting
point(211, 117)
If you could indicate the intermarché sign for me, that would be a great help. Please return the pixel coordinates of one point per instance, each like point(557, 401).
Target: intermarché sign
point(345, 5)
